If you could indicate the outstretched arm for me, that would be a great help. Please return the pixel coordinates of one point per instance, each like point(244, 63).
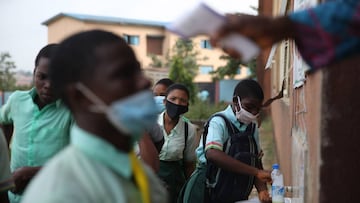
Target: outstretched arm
point(323, 34)
point(228, 163)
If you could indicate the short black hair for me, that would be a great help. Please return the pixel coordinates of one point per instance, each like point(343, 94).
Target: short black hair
point(75, 59)
point(165, 81)
point(47, 51)
point(177, 86)
point(249, 88)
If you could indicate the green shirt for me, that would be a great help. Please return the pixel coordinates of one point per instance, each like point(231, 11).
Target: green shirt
point(90, 170)
point(218, 133)
point(38, 134)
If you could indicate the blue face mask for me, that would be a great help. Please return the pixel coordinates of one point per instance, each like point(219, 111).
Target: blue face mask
point(131, 115)
point(159, 101)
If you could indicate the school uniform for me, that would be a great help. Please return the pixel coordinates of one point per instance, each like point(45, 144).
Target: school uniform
point(174, 153)
point(217, 136)
point(38, 133)
point(91, 170)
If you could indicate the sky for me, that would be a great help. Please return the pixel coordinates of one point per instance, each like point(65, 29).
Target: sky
point(23, 35)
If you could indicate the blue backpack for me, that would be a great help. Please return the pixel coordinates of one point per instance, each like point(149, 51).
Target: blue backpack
point(224, 186)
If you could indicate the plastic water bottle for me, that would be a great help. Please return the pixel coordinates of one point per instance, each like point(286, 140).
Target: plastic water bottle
point(277, 187)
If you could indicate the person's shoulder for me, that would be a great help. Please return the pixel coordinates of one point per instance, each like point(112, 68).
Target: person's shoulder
point(188, 121)
point(20, 94)
point(219, 117)
point(62, 165)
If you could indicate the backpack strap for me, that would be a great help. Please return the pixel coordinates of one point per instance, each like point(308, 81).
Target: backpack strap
point(186, 137)
point(229, 126)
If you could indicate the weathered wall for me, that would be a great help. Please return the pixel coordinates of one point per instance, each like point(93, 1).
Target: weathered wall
point(340, 136)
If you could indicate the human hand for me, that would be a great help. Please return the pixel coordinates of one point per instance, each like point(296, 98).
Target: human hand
point(264, 31)
point(22, 177)
point(264, 196)
point(264, 176)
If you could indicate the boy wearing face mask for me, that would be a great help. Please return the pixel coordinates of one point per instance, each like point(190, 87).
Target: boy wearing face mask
point(99, 78)
point(247, 101)
point(177, 156)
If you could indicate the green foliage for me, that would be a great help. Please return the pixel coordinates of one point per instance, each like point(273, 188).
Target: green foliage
point(231, 68)
point(252, 66)
point(202, 110)
point(183, 65)
point(7, 79)
point(22, 87)
point(155, 61)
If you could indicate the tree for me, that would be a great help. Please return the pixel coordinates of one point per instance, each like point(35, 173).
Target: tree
point(231, 68)
point(155, 61)
point(183, 65)
point(7, 79)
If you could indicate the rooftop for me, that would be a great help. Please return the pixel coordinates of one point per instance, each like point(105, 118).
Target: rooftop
point(105, 19)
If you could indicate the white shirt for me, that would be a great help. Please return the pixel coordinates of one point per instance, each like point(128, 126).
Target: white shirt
point(174, 143)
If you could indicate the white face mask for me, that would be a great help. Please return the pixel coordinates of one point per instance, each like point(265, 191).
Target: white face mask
point(131, 115)
point(244, 116)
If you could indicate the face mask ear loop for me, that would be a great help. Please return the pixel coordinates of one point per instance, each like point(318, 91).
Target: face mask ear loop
point(239, 103)
point(100, 106)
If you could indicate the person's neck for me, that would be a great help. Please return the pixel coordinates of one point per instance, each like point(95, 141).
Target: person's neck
point(168, 120)
point(107, 132)
point(169, 123)
point(39, 103)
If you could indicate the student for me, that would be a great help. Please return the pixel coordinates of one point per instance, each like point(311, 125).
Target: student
point(161, 86)
point(41, 125)
point(6, 181)
point(323, 34)
point(159, 91)
point(247, 102)
point(154, 137)
point(177, 156)
point(97, 75)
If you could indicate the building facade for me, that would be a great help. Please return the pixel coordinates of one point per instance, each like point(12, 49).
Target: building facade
point(316, 122)
point(147, 38)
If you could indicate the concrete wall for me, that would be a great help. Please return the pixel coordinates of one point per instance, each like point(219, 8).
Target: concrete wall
point(340, 129)
point(316, 129)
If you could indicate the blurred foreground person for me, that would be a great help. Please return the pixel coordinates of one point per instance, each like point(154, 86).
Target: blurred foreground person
point(98, 76)
point(323, 34)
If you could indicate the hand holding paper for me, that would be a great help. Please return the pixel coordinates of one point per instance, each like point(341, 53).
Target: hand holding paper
point(204, 20)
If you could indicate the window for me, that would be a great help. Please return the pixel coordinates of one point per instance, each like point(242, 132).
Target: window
point(205, 44)
point(154, 44)
point(132, 39)
point(284, 67)
point(205, 69)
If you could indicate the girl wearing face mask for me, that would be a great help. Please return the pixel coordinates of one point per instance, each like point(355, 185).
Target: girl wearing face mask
point(177, 156)
point(242, 113)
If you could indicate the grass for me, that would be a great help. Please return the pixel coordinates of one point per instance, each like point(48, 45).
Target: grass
point(267, 143)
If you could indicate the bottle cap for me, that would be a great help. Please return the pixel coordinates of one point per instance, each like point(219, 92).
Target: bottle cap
point(275, 166)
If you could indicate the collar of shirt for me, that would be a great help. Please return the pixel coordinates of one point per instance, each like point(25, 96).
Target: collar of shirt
point(179, 127)
point(33, 94)
point(96, 148)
